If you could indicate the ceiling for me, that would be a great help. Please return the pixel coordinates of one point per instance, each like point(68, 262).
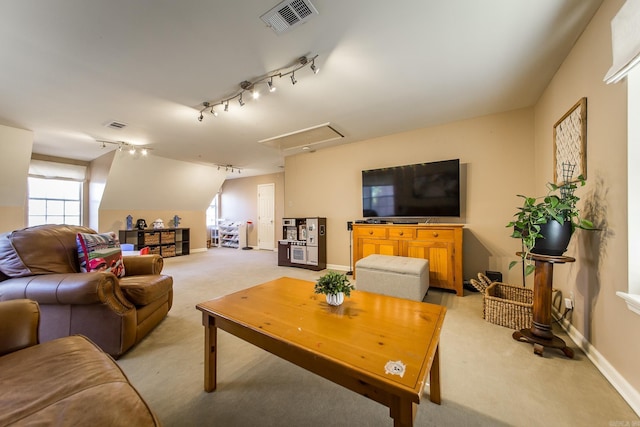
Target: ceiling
point(71, 67)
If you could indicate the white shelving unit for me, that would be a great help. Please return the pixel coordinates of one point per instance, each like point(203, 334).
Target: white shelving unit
point(229, 234)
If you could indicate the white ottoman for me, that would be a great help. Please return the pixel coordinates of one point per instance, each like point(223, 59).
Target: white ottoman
point(397, 276)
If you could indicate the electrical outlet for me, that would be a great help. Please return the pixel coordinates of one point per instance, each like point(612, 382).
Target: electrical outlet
point(568, 303)
point(573, 299)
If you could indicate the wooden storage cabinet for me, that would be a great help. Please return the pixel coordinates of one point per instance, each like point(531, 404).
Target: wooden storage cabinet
point(439, 243)
point(167, 242)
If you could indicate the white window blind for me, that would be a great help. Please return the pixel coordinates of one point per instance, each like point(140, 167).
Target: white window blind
point(625, 39)
point(46, 169)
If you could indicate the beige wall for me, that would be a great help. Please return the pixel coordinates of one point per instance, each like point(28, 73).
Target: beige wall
point(328, 182)
point(15, 145)
point(239, 202)
point(600, 269)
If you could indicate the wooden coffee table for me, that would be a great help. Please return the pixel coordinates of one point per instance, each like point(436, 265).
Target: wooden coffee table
point(378, 346)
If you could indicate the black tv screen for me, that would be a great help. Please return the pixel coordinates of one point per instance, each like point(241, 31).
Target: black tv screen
point(420, 190)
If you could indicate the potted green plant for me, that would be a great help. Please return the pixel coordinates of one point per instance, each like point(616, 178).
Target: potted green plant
point(335, 286)
point(545, 224)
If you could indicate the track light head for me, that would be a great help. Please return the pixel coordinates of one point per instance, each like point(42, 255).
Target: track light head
point(200, 117)
point(313, 67)
point(272, 88)
point(226, 106)
point(293, 78)
point(240, 101)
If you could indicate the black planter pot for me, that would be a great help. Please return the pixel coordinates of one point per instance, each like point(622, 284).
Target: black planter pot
point(556, 238)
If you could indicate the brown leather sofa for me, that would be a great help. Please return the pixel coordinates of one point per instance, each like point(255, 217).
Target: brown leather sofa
point(65, 382)
point(41, 263)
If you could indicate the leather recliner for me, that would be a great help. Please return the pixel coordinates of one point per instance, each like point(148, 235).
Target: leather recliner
point(41, 263)
point(64, 382)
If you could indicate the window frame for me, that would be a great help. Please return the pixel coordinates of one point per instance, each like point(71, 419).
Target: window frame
point(80, 201)
point(632, 296)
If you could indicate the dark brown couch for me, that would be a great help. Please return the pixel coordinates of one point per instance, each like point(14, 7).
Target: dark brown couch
point(41, 263)
point(64, 382)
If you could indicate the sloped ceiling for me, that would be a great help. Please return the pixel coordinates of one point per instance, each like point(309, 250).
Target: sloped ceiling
point(69, 68)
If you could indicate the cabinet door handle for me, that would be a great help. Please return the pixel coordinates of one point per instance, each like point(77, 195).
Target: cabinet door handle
point(370, 232)
point(435, 234)
point(402, 233)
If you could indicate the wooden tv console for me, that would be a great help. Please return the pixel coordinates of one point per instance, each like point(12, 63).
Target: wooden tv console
point(441, 244)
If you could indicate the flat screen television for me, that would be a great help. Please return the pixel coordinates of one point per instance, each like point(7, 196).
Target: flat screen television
point(420, 190)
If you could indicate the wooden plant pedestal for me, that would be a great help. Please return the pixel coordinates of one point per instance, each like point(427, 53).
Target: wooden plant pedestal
point(540, 333)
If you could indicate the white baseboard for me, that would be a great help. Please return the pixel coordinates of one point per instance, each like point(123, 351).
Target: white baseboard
point(628, 393)
point(337, 267)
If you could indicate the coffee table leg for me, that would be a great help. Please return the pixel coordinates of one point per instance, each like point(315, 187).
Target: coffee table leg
point(403, 412)
point(210, 343)
point(434, 378)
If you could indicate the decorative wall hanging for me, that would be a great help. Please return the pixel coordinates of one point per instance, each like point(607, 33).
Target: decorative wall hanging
point(570, 142)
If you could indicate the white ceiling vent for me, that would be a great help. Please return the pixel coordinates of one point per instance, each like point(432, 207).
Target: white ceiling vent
point(289, 14)
point(115, 125)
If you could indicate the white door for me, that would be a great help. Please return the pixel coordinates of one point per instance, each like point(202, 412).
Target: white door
point(266, 214)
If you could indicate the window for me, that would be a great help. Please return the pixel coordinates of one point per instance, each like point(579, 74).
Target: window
point(633, 152)
point(212, 213)
point(625, 40)
point(54, 201)
point(212, 222)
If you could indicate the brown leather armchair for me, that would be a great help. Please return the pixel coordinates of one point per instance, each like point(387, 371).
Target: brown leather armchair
point(67, 381)
point(41, 263)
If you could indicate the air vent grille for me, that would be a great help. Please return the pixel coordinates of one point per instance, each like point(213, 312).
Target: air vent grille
point(288, 14)
point(116, 125)
point(301, 8)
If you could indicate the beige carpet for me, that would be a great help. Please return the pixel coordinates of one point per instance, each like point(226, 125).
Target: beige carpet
point(487, 378)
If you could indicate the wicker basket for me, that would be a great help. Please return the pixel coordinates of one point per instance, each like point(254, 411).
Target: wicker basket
point(152, 238)
point(508, 305)
point(169, 250)
point(167, 237)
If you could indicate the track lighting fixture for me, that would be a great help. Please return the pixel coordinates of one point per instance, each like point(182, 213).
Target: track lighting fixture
point(121, 145)
point(252, 86)
point(229, 168)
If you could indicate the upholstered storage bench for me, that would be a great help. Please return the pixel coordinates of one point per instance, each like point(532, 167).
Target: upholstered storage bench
point(397, 276)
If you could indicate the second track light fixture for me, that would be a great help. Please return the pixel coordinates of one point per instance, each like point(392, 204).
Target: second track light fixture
point(131, 148)
point(251, 86)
